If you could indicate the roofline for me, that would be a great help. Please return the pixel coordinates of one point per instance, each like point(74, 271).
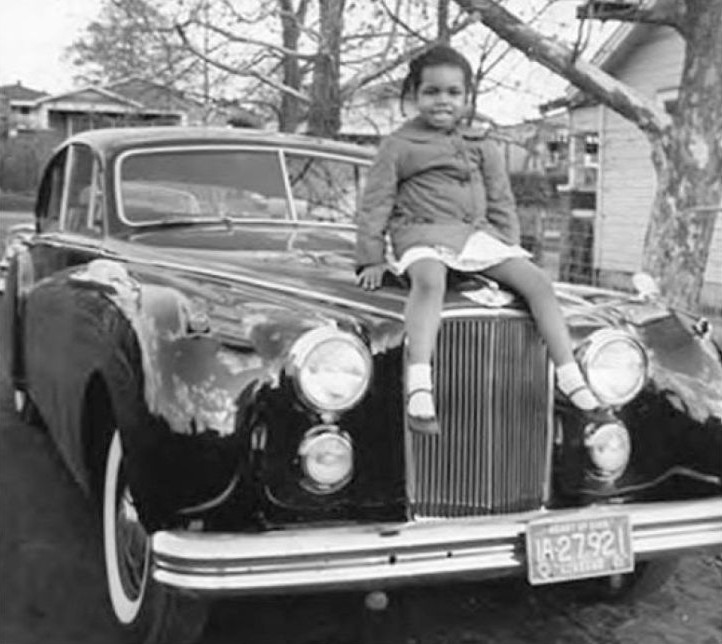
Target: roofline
point(96, 88)
point(178, 94)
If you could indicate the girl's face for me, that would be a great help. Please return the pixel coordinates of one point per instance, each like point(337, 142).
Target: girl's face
point(441, 97)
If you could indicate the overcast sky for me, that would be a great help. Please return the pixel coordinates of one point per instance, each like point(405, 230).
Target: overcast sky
point(34, 33)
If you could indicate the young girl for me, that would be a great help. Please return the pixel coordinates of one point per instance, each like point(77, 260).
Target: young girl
point(443, 197)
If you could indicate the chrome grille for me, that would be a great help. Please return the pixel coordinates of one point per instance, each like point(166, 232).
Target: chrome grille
point(493, 399)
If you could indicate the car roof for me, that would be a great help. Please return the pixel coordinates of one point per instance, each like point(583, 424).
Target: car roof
point(111, 140)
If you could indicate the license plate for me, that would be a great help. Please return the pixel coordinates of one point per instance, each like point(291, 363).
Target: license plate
point(563, 550)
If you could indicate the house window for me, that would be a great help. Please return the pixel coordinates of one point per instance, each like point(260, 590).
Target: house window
point(557, 149)
point(584, 160)
point(591, 149)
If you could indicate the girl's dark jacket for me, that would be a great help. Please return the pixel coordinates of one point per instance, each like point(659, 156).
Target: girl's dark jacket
point(429, 187)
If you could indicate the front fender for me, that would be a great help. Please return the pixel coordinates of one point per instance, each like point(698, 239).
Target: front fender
point(175, 396)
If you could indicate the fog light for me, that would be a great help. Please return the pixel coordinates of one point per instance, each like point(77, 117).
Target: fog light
point(326, 459)
point(608, 447)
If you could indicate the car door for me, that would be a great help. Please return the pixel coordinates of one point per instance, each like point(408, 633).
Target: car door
point(70, 225)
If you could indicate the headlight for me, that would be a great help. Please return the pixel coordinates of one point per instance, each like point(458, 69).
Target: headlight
point(615, 365)
point(326, 459)
point(331, 368)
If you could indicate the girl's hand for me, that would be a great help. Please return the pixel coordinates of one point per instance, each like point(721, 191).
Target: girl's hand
point(371, 276)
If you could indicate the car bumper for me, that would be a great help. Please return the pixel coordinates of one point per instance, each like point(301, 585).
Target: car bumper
point(383, 555)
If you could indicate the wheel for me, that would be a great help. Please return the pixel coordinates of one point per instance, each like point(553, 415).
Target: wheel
point(647, 578)
point(147, 612)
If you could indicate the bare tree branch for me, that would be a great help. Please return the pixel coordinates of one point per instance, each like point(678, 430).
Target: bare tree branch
point(394, 17)
point(385, 67)
point(233, 37)
point(241, 72)
point(559, 58)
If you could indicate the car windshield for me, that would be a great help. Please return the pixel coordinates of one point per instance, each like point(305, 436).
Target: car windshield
point(162, 187)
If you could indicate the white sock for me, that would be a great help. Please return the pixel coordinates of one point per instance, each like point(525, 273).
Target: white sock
point(421, 403)
point(571, 382)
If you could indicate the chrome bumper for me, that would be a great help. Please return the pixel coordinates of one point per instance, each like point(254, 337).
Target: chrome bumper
point(382, 555)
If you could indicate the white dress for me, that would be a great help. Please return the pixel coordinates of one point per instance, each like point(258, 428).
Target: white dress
point(480, 252)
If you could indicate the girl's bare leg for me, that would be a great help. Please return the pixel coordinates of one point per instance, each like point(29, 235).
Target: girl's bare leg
point(535, 287)
point(422, 318)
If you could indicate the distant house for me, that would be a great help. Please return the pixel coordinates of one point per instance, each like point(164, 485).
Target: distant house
point(611, 170)
point(129, 102)
point(17, 107)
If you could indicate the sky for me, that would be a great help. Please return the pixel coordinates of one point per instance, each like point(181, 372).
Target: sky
point(34, 33)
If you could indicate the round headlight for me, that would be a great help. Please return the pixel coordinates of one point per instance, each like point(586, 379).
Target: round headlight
point(331, 368)
point(326, 459)
point(615, 365)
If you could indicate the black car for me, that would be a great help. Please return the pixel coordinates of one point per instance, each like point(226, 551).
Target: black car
point(185, 321)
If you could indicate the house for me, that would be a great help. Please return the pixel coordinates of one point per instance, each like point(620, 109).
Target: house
point(612, 180)
point(131, 101)
point(16, 107)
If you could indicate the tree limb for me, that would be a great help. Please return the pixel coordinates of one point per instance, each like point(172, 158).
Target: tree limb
point(237, 72)
point(396, 20)
point(559, 58)
point(384, 68)
point(232, 37)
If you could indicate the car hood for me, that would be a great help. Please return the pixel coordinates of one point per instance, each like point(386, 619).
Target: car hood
point(317, 263)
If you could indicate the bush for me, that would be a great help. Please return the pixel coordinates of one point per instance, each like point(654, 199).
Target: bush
point(22, 159)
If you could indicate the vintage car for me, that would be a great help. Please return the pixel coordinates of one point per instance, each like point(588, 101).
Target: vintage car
point(186, 324)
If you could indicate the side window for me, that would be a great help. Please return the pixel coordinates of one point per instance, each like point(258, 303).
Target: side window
point(51, 194)
point(83, 199)
point(324, 189)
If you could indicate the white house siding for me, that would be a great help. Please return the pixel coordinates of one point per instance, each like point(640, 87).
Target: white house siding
point(627, 179)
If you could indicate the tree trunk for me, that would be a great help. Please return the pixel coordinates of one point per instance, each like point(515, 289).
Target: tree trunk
point(688, 161)
point(324, 117)
point(443, 33)
point(291, 110)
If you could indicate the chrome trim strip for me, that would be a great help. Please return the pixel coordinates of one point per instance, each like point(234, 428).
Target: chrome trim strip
point(213, 502)
point(551, 429)
point(386, 554)
point(290, 201)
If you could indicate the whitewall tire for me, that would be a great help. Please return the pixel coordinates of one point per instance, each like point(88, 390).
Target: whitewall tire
point(145, 610)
